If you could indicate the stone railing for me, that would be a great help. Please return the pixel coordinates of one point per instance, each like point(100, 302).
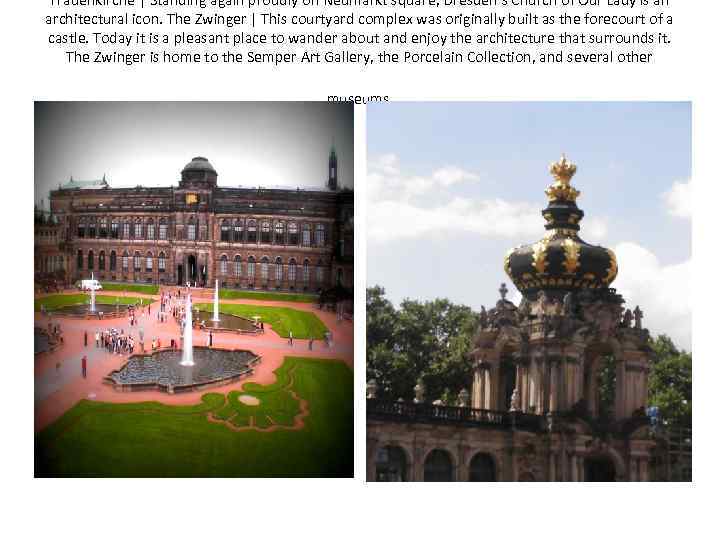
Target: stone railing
point(395, 411)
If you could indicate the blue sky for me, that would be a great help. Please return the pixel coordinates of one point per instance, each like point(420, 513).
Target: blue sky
point(452, 186)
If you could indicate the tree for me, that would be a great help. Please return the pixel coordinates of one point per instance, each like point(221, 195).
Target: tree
point(670, 382)
point(428, 340)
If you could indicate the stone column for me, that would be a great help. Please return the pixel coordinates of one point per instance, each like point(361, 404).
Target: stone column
point(554, 387)
point(371, 452)
point(551, 467)
point(632, 464)
point(620, 390)
point(417, 465)
point(573, 467)
point(463, 471)
point(581, 469)
point(643, 472)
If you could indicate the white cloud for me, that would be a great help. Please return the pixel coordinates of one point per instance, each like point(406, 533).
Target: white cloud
point(398, 210)
point(387, 182)
point(662, 292)
point(678, 199)
point(394, 220)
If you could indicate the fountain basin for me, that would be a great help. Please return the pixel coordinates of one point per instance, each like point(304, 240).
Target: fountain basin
point(82, 311)
point(227, 323)
point(42, 341)
point(161, 370)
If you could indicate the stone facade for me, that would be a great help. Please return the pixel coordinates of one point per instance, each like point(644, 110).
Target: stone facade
point(255, 238)
point(539, 408)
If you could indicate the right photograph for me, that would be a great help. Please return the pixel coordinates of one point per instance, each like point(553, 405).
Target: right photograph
point(529, 297)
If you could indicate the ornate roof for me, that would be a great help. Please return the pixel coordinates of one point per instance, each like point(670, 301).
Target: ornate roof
point(561, 259)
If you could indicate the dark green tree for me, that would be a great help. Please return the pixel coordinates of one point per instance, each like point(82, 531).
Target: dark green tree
point(670, 382)
point(428, 340)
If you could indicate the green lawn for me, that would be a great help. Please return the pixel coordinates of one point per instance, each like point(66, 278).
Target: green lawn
point(130, 287)
point(303, 324)
point(149, 439)
point(56, 301)
point(232, 294)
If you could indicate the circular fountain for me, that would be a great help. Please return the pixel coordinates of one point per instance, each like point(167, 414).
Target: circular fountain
point(164, 370)
point(193, 368)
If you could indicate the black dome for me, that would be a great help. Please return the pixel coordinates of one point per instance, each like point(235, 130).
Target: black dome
point(561, 260)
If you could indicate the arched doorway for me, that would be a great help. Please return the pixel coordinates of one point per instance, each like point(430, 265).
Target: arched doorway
point(482, 468)
point(599, 469)
point(438, 467)
point(391, 465)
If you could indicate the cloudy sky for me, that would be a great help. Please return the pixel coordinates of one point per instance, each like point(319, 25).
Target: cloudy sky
point(249, 144)
point(453, 186)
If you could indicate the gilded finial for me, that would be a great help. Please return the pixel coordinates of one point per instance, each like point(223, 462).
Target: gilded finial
point(562, 171)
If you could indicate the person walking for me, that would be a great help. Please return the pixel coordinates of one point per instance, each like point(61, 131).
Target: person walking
point(291, 338)
point(310, 344)
point(86, 338)
point(97, 340)
point(210, 336)
point(84, 367)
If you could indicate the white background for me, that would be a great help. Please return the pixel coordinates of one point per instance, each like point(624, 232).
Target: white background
point(349, 508)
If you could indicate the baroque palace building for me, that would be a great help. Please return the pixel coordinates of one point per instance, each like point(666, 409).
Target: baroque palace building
point(539, 408)
point(197, 232)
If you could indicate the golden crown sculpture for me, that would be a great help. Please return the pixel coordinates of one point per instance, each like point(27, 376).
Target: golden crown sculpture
point(561, 190)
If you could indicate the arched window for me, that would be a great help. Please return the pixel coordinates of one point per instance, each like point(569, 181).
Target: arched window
point(162, 230)
point(438, 467)
point(149, 262)
point(113, 261)
point(320, 273)
point(138, 231)
point(238, 266)
point(101, 260)
point(292, 271)
point(265, 238)
point(238, 230)
point(125, 261)
point(306, 271)
point(292, 233)
point(126, 229)
point(91, 260)
point(278, 269)
point(482, 468)
point(391, 465)
point(91, 232)
point(306, 240)
point(224, 231)
point(79, 259)
point(264, 268)
point(252, 232)
point(251, 267)
point(81, 228)
point(161, 262)
point(203, 232)
point(320, 234)
point(114, 228)
point(191, 229)
point(150, 227)
point(103, 228)
point(137, 261)
point(223, 265)
point(279, 232)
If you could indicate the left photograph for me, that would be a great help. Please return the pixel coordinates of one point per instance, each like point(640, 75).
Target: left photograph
point(193, 289)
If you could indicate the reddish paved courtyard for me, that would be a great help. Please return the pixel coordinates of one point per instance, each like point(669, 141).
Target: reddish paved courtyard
point(57, 390)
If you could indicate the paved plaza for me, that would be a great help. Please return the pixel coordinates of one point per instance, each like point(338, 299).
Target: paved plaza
point(59, 384)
